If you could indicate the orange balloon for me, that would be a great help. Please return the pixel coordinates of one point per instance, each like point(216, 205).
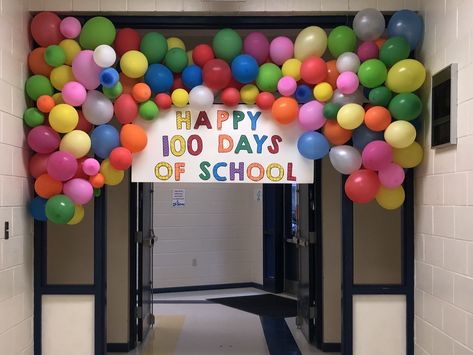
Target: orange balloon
point(141, 92)
point(128, 83)
point(37, 64)
point(46, 187)
point(377, 118)
point(380, 41)
point(133, 137)
point(285, 110)
point(45, 103)
point(335, 134)
point(97, 181)
point(332, 73)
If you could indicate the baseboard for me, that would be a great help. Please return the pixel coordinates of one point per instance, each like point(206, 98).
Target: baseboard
point(119, 347)
point(207, 287)
point(331, 347)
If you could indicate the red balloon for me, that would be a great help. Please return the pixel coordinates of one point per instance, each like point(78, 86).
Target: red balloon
point(79, 172)
point(177, 83)
point(127, 39)
point(83, 124)
point(265, 100)
point(314, 70)
point(217, 74)
point(230, 97)
point(163, 101)
point(234, 84)
point(362, 186)
point(38, 164)
point(120, 158)
point(202, 54)
point(126, 109)
point(45, 29)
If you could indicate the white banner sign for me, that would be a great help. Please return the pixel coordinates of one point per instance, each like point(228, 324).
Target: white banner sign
point(238, 145)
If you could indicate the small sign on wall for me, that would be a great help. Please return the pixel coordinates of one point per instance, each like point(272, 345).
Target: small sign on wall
point(178, 197)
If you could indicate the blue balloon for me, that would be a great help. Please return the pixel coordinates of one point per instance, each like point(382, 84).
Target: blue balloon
point(303, 94)
point(363, 135)
point(366, 92)
point(417, 123)
point(313, 145)
point(159, 78)
point(408, 24)
point(245, 68)
point(104, 139)
point(109, 77)
point(192, 76)
point(37, 208)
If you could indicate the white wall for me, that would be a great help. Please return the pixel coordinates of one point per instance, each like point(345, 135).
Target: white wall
point(16, 254)
point(444, 196)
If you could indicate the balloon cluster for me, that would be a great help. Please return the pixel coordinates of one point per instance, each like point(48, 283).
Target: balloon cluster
point(83, 75)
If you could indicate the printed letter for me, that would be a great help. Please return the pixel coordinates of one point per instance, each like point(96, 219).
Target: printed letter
point(205, 174)
point(202, 120)
point(222, 138)
point(180, 120)
point(222, 116)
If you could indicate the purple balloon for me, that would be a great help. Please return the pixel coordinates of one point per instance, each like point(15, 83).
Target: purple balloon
point(43, 139)
point(391, 176)
point(62, 166)
point(90, 166)
point(347, 82)
point(367, 50)
point(85, 70)
point(281, 49)
point(256, 44)
point(287, 85)
point(80, 191)
point(311, 115)
point(377, 155)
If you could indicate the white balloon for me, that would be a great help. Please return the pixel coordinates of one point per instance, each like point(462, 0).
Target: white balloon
point(345, 159)
point(348, 61)
point(97, 108)
point(201, 97)
point(342, 99)
point(104, 56)
point(369, 24)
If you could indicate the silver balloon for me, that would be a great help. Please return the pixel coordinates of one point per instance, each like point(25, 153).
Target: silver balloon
point(201, 97)
point(369, 24)
point(348, 61)
point(345, 159)
point(97, 108)
point(340, 98)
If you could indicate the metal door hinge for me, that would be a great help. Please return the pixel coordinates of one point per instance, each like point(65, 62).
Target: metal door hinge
point(139, 312)
point(312, 237)
point(139, 237)
point(152, 319)
point(312, 312)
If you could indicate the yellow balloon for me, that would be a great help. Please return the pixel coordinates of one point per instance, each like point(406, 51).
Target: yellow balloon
point(310, 41)
point(63, 118)
point(71, 48)
point(78, 215)
point(57, 97)
point(400, 134)
point(248, 94)
point(350, 116)
point(410, 156)
point(390, 199)
point(174, 42)
point(180, 97)
point(190, 61)
point(61, 75)
point(292, 67)
point(112, 176)
point(76, 142)
point(323, 92)
point(407, 75)
point(134, 64)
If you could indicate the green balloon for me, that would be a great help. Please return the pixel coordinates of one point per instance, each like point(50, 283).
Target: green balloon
point(176, 59)
point(227, 44)
point(340, 40)
point(380, 96)
point(33, 117)
point(268, 77)
point(372, 73)
point(154, 46)
point(60, 209)
point(113, 92)
point(393, 50)
point(54, 55)
point(38, 85)
point(96, 31)
point(97, 192)
point(406, 106)
point(330, 110)
point(148, 110)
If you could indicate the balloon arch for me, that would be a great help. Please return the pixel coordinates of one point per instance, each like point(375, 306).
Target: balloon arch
point(352, 92)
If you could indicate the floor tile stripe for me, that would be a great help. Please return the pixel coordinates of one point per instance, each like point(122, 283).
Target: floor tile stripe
point(279, 337)
point(163, 340)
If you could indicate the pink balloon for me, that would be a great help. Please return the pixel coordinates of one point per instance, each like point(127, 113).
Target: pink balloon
point(80, 191)
point(281, 49)
point(70, 27)
point(74, 93)
point(347, 82)
point(377, 155)
point(85, 70)
point(256, 44)
point(43, 139)
point(62, 166)
point(311, 115)
point(287, 85)
point(90, 166)
point(367, 50)
point(391, 176)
